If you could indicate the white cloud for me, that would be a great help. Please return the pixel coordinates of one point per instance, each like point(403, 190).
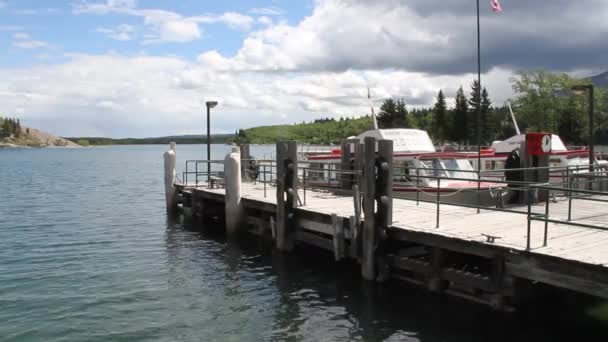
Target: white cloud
point(122, 95)
point(122, 32)
point(265, 20)
point(2, 4)
point(23, 40)
point(268, 11)
point(21, 35)
point(416, 36)
point(166, 26)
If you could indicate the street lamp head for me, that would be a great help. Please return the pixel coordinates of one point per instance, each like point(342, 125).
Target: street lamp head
point(211, 104)
point(581, 89)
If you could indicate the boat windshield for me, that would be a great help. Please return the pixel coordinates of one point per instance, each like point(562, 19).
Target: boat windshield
point(576, 162)
point(459, 168)
point(449, 168)
point(434, 168)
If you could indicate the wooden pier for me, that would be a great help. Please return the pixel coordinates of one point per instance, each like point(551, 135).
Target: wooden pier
point(478, 254)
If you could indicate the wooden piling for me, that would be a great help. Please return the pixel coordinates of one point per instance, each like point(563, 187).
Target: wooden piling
point(384, 189)
point(338, 237)
point(368, 271)
point(286, 194)
point(170, 192)
point(245, 162)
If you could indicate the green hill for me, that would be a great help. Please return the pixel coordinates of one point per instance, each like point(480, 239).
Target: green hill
point(324, 131)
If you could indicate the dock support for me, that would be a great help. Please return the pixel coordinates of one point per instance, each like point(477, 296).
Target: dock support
point(338, 238)
point(287, 194)
point(170, 193)
point(245, 162)
point(368, 270)
point(234, 208)
point(347, 164)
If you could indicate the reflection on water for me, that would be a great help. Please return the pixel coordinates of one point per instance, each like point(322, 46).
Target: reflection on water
point(87, 254)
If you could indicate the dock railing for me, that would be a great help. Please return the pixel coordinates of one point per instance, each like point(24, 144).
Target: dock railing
point(572, 183)
point(578, 183)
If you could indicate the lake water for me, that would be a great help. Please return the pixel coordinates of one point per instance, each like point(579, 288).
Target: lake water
point(88, 254)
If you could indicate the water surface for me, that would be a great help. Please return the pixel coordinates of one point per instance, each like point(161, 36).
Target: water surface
point(88, 254)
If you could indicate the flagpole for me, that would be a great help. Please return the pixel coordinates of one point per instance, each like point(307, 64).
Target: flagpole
point(478, 118)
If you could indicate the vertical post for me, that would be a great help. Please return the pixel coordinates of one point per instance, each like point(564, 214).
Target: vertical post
point(264, 168)
point(286, 193)
point(368, 271)
point(478, 117)
point(208, 143)
point(304, 183)
point(438, 200)
point(338, 237)
point(232, 178)
point(546, 218)
point(346, 166)
point(356, 225)
point(417, 186)
point(529, 191)
point(591, 132)
point(170, 193)
point(353, 226)
point(384, 188)
point(570, 198)
point(359, 162)
point(245, 162)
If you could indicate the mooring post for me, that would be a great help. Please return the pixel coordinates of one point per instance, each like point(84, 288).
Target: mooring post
point(232, 181)
point(384, 188)
point(338, 237)
point(170, 193)
point(368, 271)
point(346, 168)
point(287, 195)
point(245, 162)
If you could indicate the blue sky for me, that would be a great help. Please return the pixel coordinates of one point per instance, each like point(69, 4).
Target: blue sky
point(60, 26)
point(144, 67)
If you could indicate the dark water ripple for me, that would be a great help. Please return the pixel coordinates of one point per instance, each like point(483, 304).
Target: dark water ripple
point(87, 254)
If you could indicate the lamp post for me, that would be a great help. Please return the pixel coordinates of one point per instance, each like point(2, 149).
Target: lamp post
point(580, 90)
point(209, 104)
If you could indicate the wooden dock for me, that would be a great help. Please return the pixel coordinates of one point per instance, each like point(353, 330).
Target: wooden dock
point(481, 256)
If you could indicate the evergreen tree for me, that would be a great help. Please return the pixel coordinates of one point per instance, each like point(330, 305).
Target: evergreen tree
point(401, 119)
point(439, 126)
point(474, 104)
point(388, 113)
point(487, 125)
point(460, 131)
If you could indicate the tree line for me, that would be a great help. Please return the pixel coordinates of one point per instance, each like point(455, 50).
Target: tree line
point(544, 102)
point(10, 127)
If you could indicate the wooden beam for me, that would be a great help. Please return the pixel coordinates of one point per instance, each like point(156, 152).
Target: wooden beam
point(368, 269)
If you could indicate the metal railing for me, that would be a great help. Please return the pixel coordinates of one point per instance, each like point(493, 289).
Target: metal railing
point(577, 183)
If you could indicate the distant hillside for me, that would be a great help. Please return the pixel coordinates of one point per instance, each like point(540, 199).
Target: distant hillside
point(600, 80)
point(180, 139)
point(12, 134)
point(324, 131)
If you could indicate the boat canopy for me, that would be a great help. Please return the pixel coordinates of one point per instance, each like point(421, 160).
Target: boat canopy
point(404, 139)
point(515, 142)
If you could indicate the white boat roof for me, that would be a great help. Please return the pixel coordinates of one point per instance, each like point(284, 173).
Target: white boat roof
point(406, 140)
point(557, 145)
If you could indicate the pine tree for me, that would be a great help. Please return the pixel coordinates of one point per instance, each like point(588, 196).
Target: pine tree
point(474, 103)
point(487, 125)
point(401, 119)
point(460, 123)
point(439, 126)
point(18, 128)
point(388, 112)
